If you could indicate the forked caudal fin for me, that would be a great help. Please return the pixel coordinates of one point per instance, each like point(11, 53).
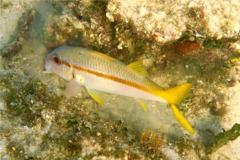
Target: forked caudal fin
point(174, 96)
point(181, 119)
point(177, 94)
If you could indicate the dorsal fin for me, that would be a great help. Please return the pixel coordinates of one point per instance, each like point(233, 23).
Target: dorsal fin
point(104, 55)
point(138, 68)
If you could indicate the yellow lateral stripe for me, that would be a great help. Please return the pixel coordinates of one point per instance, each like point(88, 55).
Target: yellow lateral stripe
point(116, 79)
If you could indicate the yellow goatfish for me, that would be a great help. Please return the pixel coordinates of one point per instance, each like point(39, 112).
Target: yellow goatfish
point(99, 72)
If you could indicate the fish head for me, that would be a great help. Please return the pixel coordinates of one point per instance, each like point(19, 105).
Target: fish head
point(57, 62)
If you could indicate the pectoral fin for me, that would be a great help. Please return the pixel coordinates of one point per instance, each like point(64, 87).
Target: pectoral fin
point(95, 95)
point(181, 119)
point(72, 88)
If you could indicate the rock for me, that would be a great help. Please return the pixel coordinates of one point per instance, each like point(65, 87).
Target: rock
point(166, 21)
point(14, 18)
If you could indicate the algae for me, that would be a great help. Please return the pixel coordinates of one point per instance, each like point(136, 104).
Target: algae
point(28, 98)
point(223, 138)
point(4, 4)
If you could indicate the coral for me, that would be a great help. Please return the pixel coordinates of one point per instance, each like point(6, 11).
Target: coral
point(235, 46)
point(152, 144)
point(149, 20)
point(84, 23)
point(167, 21)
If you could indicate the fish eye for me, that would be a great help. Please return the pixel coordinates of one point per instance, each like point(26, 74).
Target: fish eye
point(56, 59)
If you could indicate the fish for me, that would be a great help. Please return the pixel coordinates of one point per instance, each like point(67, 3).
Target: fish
point(99, 72)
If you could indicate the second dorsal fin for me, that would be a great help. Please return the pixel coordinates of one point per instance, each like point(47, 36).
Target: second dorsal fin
point(138, 68)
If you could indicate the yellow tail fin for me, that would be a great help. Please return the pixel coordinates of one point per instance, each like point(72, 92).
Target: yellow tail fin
point(174, 96)
point(177, 94)
point(181, 119)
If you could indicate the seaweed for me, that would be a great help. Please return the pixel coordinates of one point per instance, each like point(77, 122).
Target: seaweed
point(222, 138)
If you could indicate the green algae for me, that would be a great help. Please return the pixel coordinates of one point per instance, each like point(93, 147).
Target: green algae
point(28, 98)
point(210, 43)
point(4, 4)
point(224, 137)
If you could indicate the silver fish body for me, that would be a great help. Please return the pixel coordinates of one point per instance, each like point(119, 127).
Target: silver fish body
point(99, 72)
